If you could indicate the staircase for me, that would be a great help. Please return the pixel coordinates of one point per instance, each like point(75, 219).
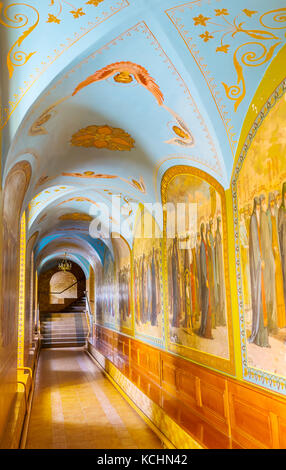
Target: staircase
point(67, 328)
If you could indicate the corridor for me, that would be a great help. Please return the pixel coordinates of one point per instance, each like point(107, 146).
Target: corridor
point(142, 224)
point(76, 407)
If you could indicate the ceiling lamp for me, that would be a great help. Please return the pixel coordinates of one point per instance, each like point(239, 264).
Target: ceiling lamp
point(64, 264)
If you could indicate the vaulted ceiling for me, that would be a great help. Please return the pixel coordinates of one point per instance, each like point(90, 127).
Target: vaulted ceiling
point(103, 96)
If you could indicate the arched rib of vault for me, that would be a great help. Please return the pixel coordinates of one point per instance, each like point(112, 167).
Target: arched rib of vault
point(96, 246)
point(72, 245)
point(53, 259)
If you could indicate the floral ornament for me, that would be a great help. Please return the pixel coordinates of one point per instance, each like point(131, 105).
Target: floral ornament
point(224, 48)
point(140, 185)
point(53, 19)
point(94, 2)
point(112, 138)
point(77, 13)
point(78, 199)
point(200, 20)
point(15, 57)
point(206, 36)
point(76, 216)
point(249, 13)
point(222, 11)
point(249, 58)
point(89, 174)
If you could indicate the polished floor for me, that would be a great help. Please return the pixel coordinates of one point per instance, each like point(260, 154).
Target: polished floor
point(76, 407)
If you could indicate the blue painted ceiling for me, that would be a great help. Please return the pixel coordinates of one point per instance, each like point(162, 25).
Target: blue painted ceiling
point(103, 96)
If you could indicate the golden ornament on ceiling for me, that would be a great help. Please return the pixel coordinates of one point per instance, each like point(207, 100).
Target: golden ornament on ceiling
point(112, 138)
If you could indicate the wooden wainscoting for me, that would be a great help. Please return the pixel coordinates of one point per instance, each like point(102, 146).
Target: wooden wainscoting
point(215, 410)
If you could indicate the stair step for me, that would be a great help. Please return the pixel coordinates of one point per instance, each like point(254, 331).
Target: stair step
point(66, 328)
point(61, 345)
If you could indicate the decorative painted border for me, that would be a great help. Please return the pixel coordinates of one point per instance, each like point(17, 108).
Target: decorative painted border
point(202, 66)
point(214, 164)
point(22, 286)
point(255, 376)
point(158, 342)
point(200, 357)
point(52, 58)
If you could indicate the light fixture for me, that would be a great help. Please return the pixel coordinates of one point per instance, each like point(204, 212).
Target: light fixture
point(64, 264)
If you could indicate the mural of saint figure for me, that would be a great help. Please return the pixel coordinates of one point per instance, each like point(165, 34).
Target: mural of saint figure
point(205, 328)
point(282, 234)
point(280, 301)
point(187, 288)
point(142, 290)
point(158, 280)
point(198, 276)
point(220, 320)
point(153, 290)
point(244, 252)
point(137, 290)
point(213, 274)
point(259, 333)
point(176, 304)
point(149, 288)
point(195, 308)
point(211, 280)
point(269, 266)
point(121, 296)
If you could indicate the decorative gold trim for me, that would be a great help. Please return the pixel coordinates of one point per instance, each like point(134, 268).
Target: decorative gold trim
point(22, 285)
point(58, 52)
point(18, 58)
point(200, 357)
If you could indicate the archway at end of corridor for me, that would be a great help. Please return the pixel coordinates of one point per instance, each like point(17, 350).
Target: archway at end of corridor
point(58, 289)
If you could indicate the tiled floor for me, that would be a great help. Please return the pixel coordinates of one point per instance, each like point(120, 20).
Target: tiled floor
point(76, 407)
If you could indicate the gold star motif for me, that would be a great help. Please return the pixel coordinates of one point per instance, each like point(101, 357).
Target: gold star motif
point(206, 36)
point(249, 13)
point(53, 19)
point(93, 2)
point(222, 11)
point(77, 13)
point(200, 20)
point(223, 48)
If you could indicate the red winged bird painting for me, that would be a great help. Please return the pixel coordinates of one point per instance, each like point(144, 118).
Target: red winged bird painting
point(123, 72)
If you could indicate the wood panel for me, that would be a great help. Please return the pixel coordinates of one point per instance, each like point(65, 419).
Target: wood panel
point(217, 411)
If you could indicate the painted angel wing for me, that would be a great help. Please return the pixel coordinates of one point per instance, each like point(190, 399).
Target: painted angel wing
point(101, 74)
point(140, 74)
point(144, 79)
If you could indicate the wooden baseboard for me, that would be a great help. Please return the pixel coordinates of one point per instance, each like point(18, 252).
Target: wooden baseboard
point(171, 435)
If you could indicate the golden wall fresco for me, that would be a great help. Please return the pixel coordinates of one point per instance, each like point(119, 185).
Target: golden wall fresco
point(198, 316)
point(122, 287)
point(107, 292)
point(148, 307)
point(261, 206)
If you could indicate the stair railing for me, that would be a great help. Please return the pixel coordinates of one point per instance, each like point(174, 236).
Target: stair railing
point(89, 317)
point(69, 287)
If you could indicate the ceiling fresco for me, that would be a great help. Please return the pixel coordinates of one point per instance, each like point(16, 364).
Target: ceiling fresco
point(101, 97)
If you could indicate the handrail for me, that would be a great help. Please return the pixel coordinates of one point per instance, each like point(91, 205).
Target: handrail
point(67, 288)
point(89, 317)
point(28, 369)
